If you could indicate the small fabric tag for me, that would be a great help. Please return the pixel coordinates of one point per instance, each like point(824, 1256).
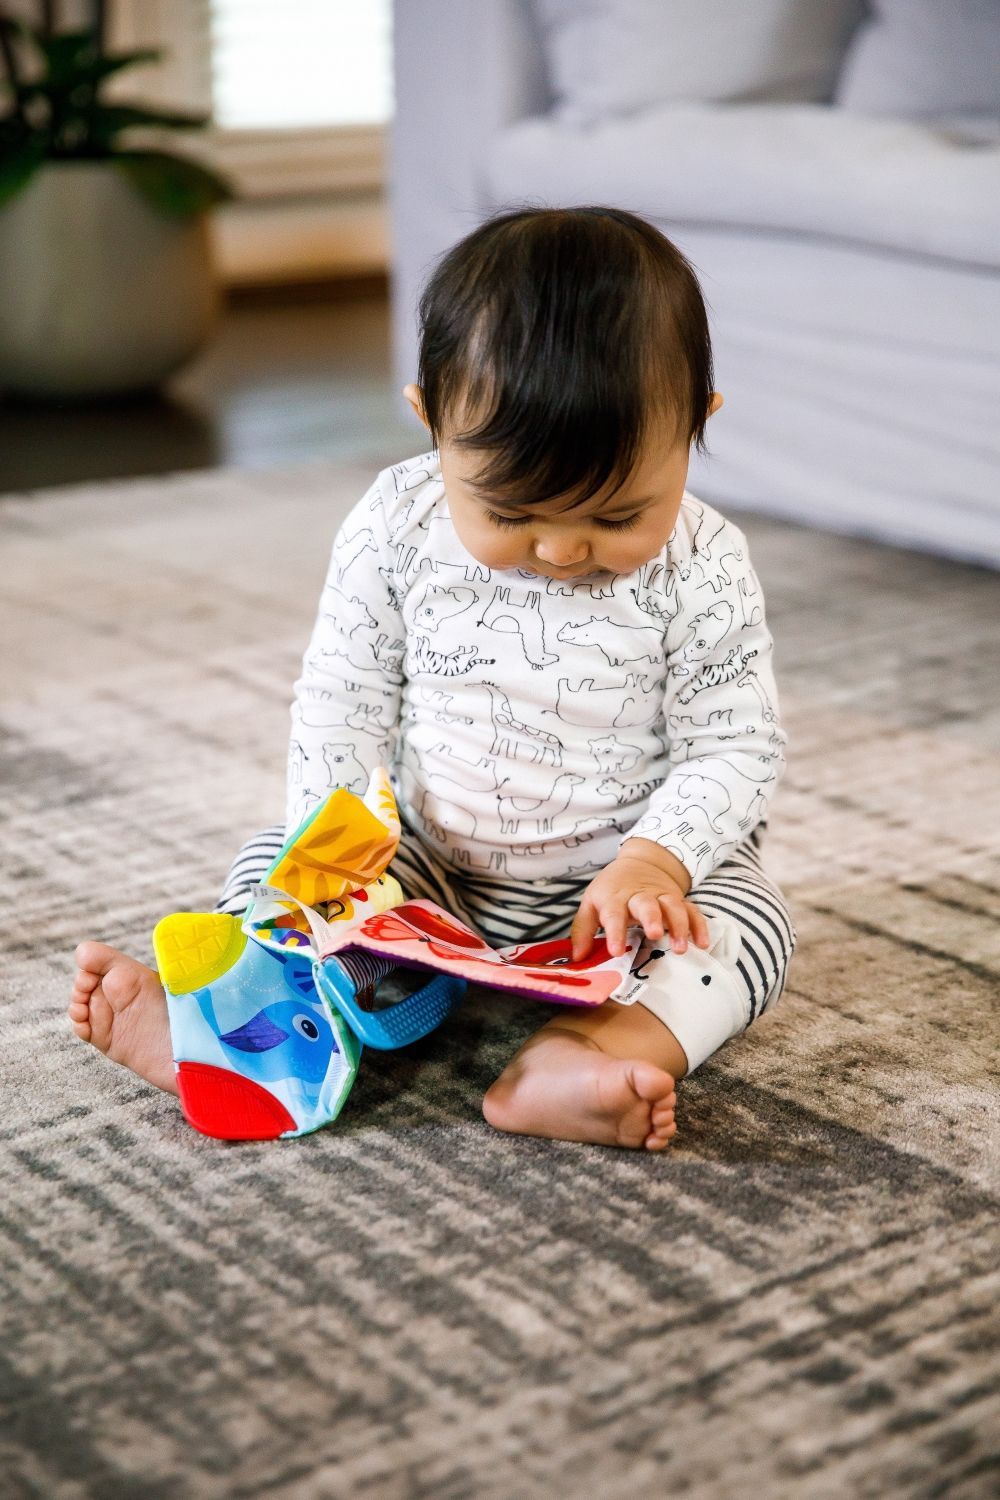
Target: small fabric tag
point(319, 929)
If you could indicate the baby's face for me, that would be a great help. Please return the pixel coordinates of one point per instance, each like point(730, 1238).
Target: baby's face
point(611, 533)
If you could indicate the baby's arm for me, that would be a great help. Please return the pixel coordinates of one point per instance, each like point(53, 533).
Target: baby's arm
point(726, 756)
point(347, 699)
point(726, 743)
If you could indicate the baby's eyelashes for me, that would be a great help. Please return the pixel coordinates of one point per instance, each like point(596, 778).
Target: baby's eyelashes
point(512, 523)
point(509, 523)
point(624, 523)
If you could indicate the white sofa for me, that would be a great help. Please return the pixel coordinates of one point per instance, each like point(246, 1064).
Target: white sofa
point(850, 256)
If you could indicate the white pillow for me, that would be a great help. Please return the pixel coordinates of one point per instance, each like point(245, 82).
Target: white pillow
point(917, 59)
point(615, 57)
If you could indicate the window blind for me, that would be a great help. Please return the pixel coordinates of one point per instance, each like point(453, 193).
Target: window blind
point(300, 63)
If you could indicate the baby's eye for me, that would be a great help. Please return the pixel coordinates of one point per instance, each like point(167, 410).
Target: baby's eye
point(625, 524)
point(508, 522)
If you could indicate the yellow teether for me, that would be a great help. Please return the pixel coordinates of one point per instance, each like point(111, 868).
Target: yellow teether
point(194, 947)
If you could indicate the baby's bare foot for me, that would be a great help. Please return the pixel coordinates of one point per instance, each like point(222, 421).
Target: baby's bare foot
point(563, 1086)
point(119, 1005)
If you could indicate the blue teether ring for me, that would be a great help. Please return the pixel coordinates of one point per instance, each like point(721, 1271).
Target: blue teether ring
point(397, 1025)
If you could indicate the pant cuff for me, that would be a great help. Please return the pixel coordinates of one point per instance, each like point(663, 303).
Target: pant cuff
point(696, 995)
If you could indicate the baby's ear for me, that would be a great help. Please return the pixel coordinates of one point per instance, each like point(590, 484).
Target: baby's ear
point(415, 396)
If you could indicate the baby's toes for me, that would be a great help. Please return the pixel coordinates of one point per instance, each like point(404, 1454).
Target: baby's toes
point(660, 1136)
point(85, 983)
point(79, 1014)
point(662, 1124)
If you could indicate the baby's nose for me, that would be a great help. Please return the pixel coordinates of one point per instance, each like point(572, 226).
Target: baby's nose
point(561, 551)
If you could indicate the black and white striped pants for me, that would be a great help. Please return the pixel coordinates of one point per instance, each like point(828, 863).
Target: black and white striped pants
point(505, 912)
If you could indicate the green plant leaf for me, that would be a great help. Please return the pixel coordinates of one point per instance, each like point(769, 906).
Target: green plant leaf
point(127, 115)
point(17, 165)
point(67, 52)
point(63, 114)
point(176, 185)
point(91, 73)
point(105, 121)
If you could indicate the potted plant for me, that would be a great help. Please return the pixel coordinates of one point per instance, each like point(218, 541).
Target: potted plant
point(107, 284)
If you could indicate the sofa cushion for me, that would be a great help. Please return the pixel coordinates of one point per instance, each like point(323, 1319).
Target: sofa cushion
point(916, 59)
point(970, 129)
point(804, 168)
point(614, 57)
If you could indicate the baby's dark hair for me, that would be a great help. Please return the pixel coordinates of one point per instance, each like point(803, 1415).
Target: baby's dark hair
point(559, 336)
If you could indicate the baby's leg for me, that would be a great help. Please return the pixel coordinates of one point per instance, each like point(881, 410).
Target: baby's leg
point(119, 1004)
point(554, 1086)
point(596, 1075)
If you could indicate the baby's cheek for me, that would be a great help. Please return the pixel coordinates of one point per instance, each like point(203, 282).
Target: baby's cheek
point(500, 556)
point(490, 547)
point(626, 557)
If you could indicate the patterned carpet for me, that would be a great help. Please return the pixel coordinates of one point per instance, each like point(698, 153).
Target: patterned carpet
point(797, 1299)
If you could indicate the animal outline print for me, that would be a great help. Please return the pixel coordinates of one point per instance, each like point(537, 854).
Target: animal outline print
point(532, 722)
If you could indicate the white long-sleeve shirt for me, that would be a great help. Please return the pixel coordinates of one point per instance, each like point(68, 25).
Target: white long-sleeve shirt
point(532, 724)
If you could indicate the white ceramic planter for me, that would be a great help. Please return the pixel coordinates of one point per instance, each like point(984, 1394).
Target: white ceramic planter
point(100, 293)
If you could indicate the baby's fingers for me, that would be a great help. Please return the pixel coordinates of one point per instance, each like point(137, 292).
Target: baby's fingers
point(646, 909)
point(675, 921)
point(699, 925)
point(584, 926)
point(615, 924)
point(683, 920)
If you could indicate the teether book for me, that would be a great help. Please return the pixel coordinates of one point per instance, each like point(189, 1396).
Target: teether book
point(269, 1014)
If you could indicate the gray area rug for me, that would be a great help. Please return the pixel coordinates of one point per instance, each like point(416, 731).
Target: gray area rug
point(797, 1299)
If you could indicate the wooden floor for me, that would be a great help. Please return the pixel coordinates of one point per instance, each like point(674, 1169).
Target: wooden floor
point(289, 377)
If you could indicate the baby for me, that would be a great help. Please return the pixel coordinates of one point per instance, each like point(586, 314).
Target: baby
point(562, 655)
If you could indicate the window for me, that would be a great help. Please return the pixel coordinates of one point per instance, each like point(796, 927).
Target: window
point(300, 64)
point(300, 92)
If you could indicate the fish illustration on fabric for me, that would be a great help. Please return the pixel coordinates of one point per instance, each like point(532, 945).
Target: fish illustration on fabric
point(257, 1053)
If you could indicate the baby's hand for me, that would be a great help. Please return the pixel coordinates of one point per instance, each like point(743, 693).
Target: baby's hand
point(634, 888)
